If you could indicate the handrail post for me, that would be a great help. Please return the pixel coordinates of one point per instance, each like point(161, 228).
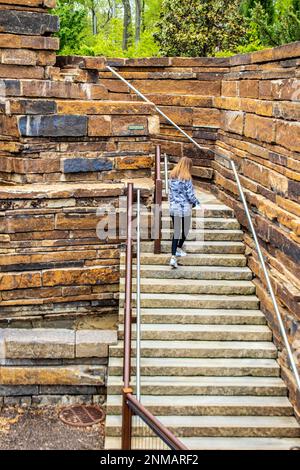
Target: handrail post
point(138, 298)
point(126, 411)
point(166, 174)
point(157, 202)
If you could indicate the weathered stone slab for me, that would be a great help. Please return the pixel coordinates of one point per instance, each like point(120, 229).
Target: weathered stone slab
point(50, 375)
point(260, 128)
point(99, 126)
point(39, 343)
point(126, 126)
point(14, 41)
point(94, 343)
point(90, 276)
point(53, 126)
point(81, 165)
point(26, 106)
point(23, 22)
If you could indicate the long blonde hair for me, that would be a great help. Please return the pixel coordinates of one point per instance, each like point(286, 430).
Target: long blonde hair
point(182, 170)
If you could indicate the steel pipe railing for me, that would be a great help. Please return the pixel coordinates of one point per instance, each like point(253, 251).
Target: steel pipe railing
point(157, 202)
point(138, 297)
point(157, 427)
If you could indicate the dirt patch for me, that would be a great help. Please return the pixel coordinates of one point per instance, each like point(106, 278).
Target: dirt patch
point(24, 428)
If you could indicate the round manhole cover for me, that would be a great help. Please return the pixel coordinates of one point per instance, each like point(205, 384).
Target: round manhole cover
point(81, 415)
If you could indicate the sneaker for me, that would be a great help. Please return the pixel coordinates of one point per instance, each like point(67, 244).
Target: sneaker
point(173, 262)
point(180, 252)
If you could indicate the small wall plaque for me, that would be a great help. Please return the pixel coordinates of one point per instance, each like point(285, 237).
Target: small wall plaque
point(136, 128)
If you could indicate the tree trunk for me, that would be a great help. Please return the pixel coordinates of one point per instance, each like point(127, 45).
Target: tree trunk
point(138, 20)
point(126, 24)
point(94, 21)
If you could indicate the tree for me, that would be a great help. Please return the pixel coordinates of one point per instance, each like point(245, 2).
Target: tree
point(280, 27)
point(73, 25)
point(138, 20)
point(126, 24)
point(199, 27)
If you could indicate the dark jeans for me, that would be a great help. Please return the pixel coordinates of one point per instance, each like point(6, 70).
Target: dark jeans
point(181, 226)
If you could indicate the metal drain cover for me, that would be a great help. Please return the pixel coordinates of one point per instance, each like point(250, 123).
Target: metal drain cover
point(81, 415)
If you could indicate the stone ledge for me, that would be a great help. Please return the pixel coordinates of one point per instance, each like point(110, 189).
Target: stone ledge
point(62, 190)
point(41, 343)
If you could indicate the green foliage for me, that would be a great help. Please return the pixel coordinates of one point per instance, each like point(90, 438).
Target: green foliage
point(199, 27)
point(280, 27)
point(73, 25)
point(178, 27)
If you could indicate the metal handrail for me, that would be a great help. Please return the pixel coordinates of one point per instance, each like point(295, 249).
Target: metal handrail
point(166, 174)
point(157, 202)
point(157, 427)
point(138, 297)
point(265, 270)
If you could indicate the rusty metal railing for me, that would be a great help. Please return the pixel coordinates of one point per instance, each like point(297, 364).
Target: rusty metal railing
point(157, 201)
point(131, 405)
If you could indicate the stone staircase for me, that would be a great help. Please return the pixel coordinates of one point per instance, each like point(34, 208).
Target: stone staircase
point(209, 367)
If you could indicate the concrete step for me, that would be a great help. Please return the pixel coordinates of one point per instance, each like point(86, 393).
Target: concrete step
point(207, 223)
point(192, 247)
point(225, 386)
point(191, 286)
point(208, 405)
point(219, 443)
point(199, 316)
point(248, 302)
point(230, 260)
point(218, 426)
point(208, 349)
point(190, 272)
point(200, 367)
point(193, 332)
point(199, 234)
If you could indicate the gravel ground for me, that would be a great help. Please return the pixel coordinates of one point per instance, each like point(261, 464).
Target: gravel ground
point(25, 428)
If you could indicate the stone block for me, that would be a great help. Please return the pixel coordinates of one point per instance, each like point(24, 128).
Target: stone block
point(288, 135)
point(103, 107)
point(129, 125)
point(82, 165)
point(133, 163)
point(53, 126)
point(182, 116)
point(53, 375)
point(189, 87)
point(94, 343)
point(206, 117)
point(287, 110)
point(21, 71)
point(25, 22)
point(233, 121)
point(153, 125)
point(24, 280)
point(259, 128)
point(84, 276)
point(256, 172)
point(8, 126)
point(249, 105)
point(39, 343)
point(230, 88)
point(13, 41)
point(24, 223)
point(99, 126)
point(26, 106)
point(248, 88)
